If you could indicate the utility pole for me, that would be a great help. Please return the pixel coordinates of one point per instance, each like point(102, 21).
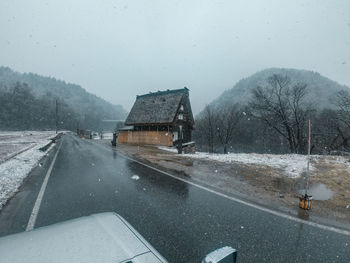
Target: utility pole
point(56, 116)
point(180, 122)
point(179, 148)
point(308, 157)
point(305, 200)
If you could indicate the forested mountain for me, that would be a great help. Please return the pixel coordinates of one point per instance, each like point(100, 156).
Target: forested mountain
point(76, 106)
point(269, 112)
point(319, 88)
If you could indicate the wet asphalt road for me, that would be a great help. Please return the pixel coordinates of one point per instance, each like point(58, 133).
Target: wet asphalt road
point(182, 221)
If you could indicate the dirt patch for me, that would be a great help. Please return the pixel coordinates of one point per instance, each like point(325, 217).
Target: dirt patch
point(336, 176)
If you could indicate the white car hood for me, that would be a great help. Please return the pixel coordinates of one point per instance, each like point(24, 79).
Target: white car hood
point(105, 237)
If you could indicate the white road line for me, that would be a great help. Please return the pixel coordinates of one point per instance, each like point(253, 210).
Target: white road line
point(267, 210)
point(35, 211)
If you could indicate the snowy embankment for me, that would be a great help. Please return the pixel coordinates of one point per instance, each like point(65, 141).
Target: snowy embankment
point(168, 149)
point(20, 153)
point(291, 164)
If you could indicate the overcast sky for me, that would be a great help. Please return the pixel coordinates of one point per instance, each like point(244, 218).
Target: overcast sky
point(118, 49)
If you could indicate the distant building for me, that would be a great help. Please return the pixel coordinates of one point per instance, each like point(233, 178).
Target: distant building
point(156, 118)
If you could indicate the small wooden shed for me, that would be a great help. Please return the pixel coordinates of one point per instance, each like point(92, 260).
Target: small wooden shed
point(159, 118)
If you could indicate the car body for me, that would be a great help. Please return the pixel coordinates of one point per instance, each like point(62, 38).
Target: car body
point(104, 237)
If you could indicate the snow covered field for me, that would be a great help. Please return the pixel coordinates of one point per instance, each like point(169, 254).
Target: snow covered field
point(14, 142)
point(19, 153)
point(293, 165)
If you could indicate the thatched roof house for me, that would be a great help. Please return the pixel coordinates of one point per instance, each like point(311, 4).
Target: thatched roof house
point(156, 118)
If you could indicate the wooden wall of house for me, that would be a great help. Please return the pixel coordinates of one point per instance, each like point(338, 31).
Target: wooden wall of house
point(146, 137)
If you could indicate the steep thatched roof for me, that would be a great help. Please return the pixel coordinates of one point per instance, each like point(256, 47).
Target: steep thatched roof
point(157, 108)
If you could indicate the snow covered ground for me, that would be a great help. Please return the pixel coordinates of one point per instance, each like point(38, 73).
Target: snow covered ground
point(19, 153)
point(169, 149)
point(293, 165)
point(14, 142)
point(108, 135)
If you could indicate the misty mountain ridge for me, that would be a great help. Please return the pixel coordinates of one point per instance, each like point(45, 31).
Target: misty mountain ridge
point(81, 101)
point(320, 89)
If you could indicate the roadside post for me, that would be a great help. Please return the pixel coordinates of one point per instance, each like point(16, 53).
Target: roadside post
point(56, 115)
point(114, 140)
point(179, 147)
point(180, 123)
point(305, 200)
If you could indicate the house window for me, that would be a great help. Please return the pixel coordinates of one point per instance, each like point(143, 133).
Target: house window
point(182, 107)
point(181, 116)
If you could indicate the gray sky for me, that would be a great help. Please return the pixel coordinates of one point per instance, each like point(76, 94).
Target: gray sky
point(118, 49)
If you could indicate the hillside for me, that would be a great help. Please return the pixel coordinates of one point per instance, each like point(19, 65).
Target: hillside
point(320, 88)
point(89, 108)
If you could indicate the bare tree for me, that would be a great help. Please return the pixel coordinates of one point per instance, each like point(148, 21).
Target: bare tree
point(208, 125)
point(343, 104)
point(227, 119)
point(281, 106)
point(343, 117)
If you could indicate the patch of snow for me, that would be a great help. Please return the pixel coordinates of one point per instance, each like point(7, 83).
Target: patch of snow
point(188, 143)
point(107, 136)
point(168, 149)
point(16, 142)
point(14, 170)
point(219, 254)
point(292, 164)
point(334, 159)
point(135, 177)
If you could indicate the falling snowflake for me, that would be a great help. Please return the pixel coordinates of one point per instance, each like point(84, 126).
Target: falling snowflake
point(135, 177)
